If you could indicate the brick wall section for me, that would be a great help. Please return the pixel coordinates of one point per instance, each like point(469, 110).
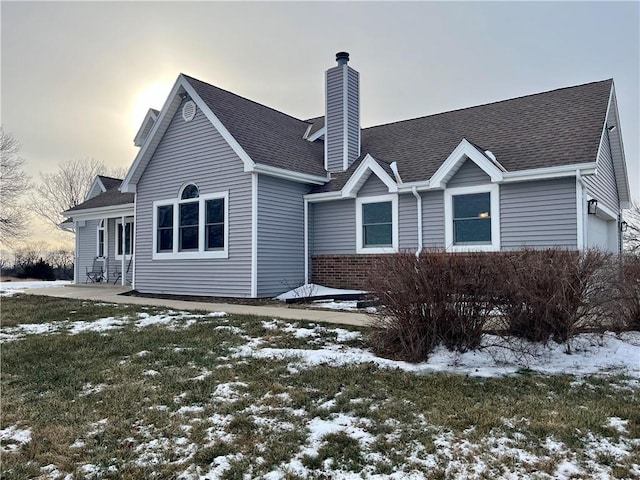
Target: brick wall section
point(342, 271)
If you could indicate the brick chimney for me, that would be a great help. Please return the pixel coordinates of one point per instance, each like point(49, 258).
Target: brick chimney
point(342, 120)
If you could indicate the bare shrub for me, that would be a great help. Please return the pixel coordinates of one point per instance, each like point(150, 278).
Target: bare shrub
point(554, 294)
point(437, 298)
point(628, 292)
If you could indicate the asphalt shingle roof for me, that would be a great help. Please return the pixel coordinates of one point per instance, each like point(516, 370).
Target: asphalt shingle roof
point(112, 196)
point(268, 136)
point(555, 128)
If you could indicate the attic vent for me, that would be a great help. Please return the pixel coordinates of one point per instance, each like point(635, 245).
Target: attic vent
point(188, 111)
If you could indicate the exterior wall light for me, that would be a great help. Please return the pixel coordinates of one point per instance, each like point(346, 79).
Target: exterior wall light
point(592, 206)
point(623, 226)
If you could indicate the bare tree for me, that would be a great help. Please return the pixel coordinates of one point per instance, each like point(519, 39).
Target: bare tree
point(631, 236)
point(14, 182)
point(68, 187)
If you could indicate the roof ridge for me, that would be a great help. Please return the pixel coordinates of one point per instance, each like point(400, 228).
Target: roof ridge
point(243, 98)
point(610, 80)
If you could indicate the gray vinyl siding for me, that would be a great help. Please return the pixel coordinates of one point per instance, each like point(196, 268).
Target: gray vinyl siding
point(433, 219)
point(280, 235)
point(539, 214)
point(334, 227)
point(373, 186)
point(335, 116)
point(87, 239)
point(602, 186)
point(407, 222)
point(334, 122)
point(195, 152)
point(469, 174)
point(353, 114)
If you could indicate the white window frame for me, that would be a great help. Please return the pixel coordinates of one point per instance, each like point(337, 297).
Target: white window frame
point(102, 227)
point(494, 191)
point(117, 255)
point(176, 254)
point(360, 201)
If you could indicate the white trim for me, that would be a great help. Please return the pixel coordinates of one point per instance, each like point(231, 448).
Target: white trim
point(360, 201)
point(360, 176)
point(549, 172)
point(123, 274)
point(96, 183)
point(323, 197)
point(254, 234)
point(135, 260)
point(319, 134)
point(126, 209)
point(455, 160)
point(76, 263)
point(306, 241)
point(151, 116)
point(494, 191)
point(306, 132)
point(102, 226)
point(288, 174)
point(419, 211)
point(175, 254)
point(127, 219)
point(581, 211)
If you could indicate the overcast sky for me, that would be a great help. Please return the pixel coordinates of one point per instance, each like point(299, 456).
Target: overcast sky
point(78, 77)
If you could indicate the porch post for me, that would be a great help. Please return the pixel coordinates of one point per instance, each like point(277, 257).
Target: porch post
point(123, 277)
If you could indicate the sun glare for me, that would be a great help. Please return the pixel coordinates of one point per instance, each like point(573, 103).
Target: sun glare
point(151, 96)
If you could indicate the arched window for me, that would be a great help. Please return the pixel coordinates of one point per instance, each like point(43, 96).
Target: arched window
point(189, 191)
point(188, 218)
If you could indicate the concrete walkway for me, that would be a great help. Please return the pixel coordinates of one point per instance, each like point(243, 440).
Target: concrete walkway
point(111, 294)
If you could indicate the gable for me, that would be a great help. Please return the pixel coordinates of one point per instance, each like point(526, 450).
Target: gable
point(468, 174)
point(373, 186)
point(189, 151)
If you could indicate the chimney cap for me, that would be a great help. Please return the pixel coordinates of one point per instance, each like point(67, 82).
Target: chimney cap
point(342, 58)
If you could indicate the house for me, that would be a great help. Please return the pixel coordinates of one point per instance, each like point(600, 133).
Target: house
point(233, 198)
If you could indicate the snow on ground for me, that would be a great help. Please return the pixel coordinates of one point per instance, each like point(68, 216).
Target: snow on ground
point(462, 457)
point(592, 354)
point(169, 319)
point(313, 290)
point(8, 289)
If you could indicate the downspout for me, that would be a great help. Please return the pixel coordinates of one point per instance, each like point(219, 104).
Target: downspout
point(581, 210)
point(306, 241)
point(414, 190)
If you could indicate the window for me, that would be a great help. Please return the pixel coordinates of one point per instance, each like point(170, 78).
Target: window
point(193, 225)
point(165, 229)
point(214, 224)
point(472, 218)
point(101, 240)
point(377, 224)
point(128, 238)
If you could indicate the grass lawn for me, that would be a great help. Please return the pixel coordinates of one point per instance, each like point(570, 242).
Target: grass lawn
point(113, 391)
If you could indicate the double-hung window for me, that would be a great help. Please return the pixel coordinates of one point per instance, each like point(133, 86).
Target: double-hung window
point(377, 224)
point(124, 242)
point(472, 218)
point(194, 225)
point(101, 240)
